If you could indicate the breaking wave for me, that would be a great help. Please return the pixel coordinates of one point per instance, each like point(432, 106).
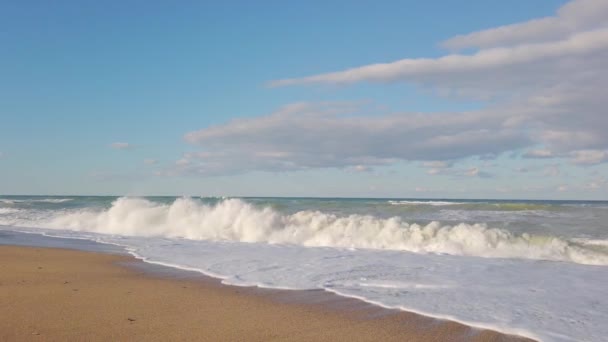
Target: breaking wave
point(237, 220)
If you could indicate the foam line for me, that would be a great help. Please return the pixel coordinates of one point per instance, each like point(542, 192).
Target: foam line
point(237, 220)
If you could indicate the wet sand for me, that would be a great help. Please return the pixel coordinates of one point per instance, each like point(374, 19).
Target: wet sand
point(49, 294)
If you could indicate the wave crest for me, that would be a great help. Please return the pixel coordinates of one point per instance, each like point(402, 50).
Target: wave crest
point(237, 220)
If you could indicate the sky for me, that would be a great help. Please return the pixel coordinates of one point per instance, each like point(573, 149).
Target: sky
point(409, 99)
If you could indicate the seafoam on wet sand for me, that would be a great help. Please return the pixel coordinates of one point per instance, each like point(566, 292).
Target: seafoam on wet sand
point(537, 269)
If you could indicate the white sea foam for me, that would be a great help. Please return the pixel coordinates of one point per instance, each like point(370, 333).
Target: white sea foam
point(548, 301)
point(8, 201)
point(591, 242)
point(42, 200)
point(56, 200)
point(237, 220)
point(432, 203)
point(467, 272)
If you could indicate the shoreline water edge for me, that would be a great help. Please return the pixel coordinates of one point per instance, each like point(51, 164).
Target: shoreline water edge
point(529, 268)
point(35, 266)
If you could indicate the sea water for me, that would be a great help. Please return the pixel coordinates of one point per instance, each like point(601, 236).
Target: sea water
point(533, 268)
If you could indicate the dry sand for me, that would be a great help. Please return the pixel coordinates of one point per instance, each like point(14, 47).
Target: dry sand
point(65, 295)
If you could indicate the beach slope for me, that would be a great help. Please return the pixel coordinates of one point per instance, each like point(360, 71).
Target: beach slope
point(65, 295)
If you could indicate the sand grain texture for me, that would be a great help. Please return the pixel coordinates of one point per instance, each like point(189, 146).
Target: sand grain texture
point(65, 295)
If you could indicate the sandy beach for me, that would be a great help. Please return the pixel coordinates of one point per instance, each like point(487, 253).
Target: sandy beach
point(66, 295)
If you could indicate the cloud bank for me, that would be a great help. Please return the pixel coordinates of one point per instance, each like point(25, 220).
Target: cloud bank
point(575, 16)
point(543, 82)
point(308, 135)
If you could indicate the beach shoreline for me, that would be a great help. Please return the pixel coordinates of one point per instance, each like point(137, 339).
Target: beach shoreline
point(63, 294)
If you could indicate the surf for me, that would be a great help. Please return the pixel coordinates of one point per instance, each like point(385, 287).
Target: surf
point(235, 219)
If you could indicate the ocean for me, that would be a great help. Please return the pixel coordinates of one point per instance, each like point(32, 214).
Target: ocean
point(533, 268)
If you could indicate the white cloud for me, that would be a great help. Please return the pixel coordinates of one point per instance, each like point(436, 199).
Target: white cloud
point(184, 161)
point(513, 64)
point(473, 172)
point(476, 172)
point(437, 167)
point(543, 83)
point(121, 145)
point(446, 168)
point(573, 17)
point(360, 168)
point(597, 184)
point(150, 161)
point(539, 154)
point(544, 79)
point(590, 157)
point(326, 135)
point(437, 164)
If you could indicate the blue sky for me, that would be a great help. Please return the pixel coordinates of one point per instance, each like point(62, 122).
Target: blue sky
point(278, 98)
